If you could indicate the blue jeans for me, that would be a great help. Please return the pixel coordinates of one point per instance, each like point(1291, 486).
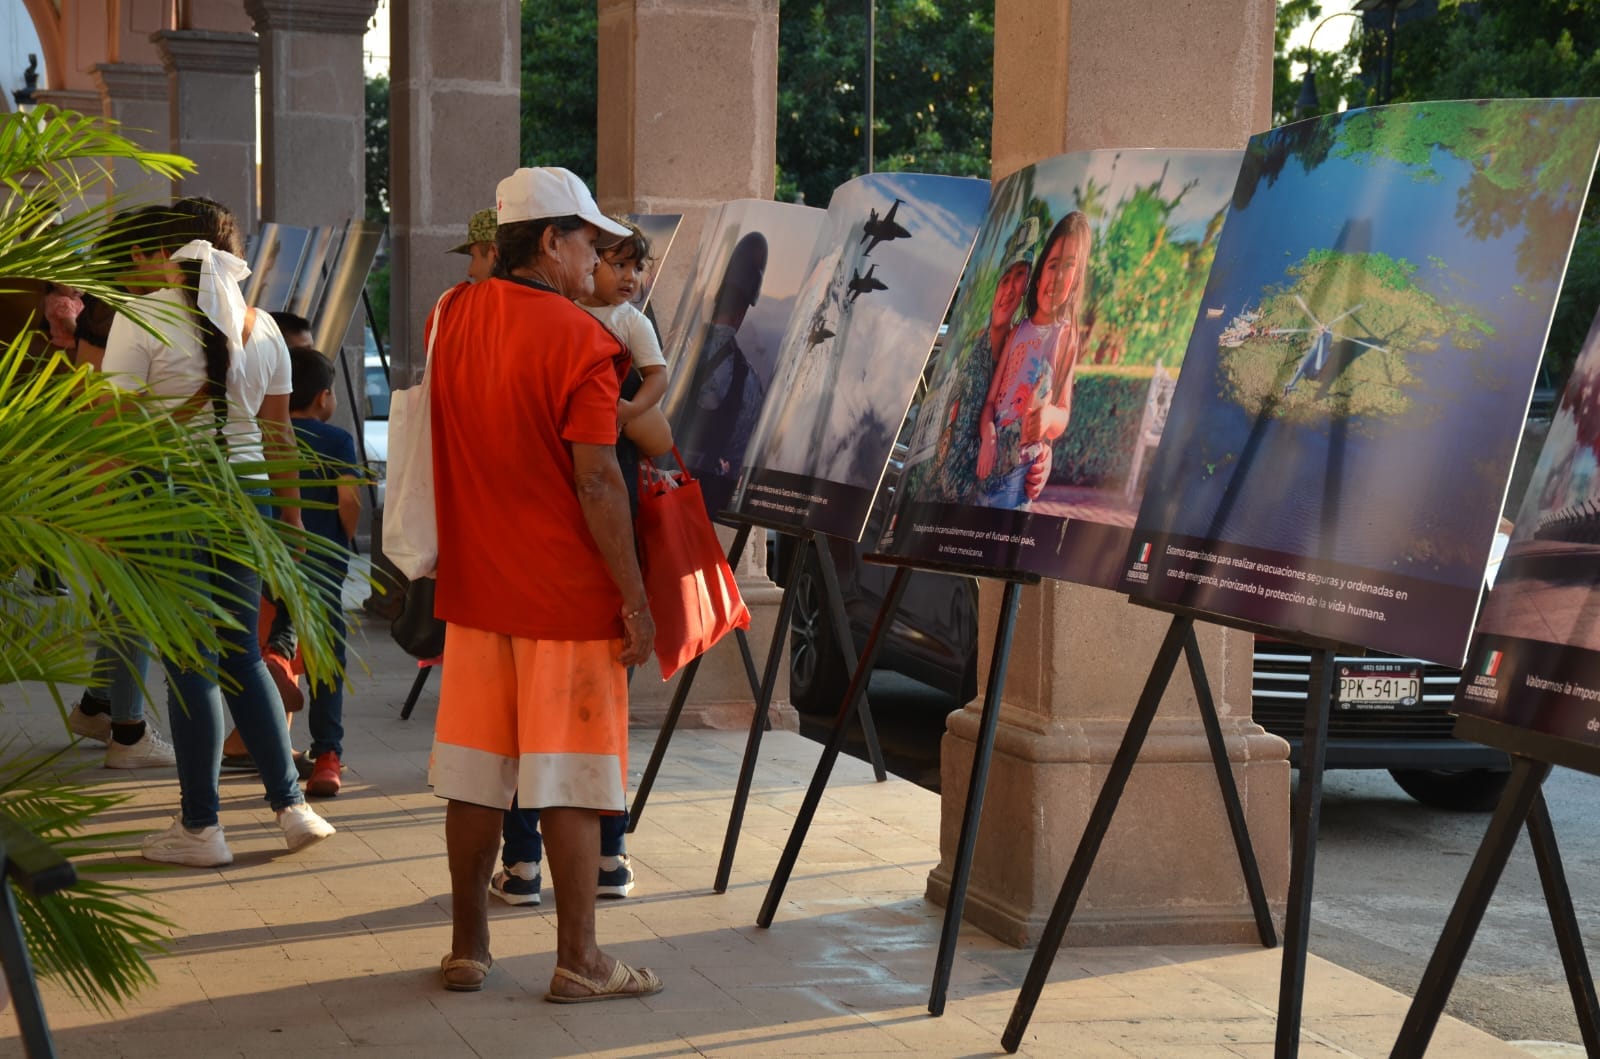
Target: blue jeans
point(125, 666)
point(1010, 491)
point(523, 845)
point(195, 705)
point(327, 696)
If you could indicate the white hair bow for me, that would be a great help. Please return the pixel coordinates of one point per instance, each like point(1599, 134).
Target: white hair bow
point(219, 296)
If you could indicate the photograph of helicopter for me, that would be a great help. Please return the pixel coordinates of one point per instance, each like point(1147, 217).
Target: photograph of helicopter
point(1322, 340)
point(1352, 428)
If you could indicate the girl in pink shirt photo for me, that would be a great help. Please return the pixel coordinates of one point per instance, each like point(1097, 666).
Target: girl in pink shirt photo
point(1030, 397)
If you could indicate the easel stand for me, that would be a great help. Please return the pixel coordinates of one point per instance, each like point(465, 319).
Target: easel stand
point(1521, 804)
point(39, 870)
point(763, 689)
point(681, 695)
point(1291, 987)
point(982, 753)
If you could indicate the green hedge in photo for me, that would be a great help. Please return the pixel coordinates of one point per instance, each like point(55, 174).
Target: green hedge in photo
point(1107, 406)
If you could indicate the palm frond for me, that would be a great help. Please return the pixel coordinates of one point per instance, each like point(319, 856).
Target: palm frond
point(53, 163)
point(94, 937)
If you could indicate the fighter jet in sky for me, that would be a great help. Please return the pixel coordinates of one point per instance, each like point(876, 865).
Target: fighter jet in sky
point(865, 284)
point(882, 229)
point(1322, 339)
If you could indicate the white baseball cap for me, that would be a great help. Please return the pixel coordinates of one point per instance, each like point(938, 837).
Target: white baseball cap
point(550, 191)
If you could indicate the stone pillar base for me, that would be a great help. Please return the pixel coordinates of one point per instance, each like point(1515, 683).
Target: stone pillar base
point(721, 696)
point(1167, 872)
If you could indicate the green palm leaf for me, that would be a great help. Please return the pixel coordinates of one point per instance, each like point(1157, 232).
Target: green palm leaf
point(128, 505)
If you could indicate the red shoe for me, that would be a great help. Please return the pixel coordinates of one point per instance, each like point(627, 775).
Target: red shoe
point(324, 781)
point(282, 671)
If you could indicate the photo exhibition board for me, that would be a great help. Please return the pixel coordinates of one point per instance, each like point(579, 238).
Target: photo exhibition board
point(722, 349)
point(1535, 658)
point(1338, 449)
point(660, 229)
point(1049, 392)
point(880, 281)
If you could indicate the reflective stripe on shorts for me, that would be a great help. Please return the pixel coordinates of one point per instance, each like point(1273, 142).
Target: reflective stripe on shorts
point(546, 720)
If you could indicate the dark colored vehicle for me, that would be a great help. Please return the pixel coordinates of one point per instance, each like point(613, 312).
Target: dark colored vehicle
point(1387, 713)
point(932, 640)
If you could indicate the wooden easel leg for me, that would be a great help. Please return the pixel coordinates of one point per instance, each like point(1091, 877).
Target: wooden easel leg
point(1303, 854)
point(758, 725)
point(1569, 939)
point(1094, 831)
point(847, 648)
point(830, 752)
point(982, 751)
point(1527, 776)
point(1230, 791)
point(680, 696)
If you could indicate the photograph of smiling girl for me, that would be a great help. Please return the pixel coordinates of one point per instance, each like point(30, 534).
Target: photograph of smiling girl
point(1029, 449)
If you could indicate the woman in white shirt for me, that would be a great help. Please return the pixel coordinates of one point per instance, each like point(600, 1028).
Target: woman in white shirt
point(218, 362)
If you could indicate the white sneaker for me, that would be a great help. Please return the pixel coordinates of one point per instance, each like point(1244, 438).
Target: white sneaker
point(96, 727)
point(205, 848)
point(152, 751)
point(302, 826)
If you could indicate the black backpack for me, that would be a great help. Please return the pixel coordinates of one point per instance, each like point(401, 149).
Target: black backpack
point(415, 629)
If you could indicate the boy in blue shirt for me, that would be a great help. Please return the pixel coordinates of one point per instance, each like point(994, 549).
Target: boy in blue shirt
point(333, 451)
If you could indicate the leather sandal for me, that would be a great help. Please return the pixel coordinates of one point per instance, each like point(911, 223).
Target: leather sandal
point(624, 981)
point(462, 975)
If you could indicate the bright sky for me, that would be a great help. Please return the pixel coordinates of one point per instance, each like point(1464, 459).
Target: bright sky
point(375, 44)
point(1331, 38)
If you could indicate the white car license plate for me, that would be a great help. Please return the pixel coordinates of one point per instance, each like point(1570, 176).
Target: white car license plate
point(1379, 686)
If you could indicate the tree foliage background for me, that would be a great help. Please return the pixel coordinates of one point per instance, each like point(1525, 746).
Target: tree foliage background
point(933, 100)
point(1450, 49)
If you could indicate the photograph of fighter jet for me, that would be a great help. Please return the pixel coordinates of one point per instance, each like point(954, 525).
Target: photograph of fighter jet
point(1351, 430)
point(856, 346)
point(865, 284)
point(882, 229)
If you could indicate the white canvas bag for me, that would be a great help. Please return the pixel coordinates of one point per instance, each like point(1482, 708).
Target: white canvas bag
point(410, 524)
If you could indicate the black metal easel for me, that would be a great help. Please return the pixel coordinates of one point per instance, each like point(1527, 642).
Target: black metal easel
point(982, 754)
point(39, 870)
point(763, 688)
point(1308, 810)
point(1533, 755)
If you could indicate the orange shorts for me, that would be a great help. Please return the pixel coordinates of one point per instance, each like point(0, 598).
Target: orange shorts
point(546, 720)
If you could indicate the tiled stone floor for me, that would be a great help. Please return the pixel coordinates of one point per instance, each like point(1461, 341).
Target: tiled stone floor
point(334, 950)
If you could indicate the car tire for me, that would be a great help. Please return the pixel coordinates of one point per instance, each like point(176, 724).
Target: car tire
point(818, 676)
point(1462, 790)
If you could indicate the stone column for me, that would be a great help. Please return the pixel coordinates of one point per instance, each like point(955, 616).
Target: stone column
point(1076, 75)
point(716, 141)
point(718, 65)
point(212, 95)
point(313, 109)
point(135, 96)
point(455, 94)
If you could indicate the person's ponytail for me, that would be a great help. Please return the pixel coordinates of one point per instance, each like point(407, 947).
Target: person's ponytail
point(213, 342)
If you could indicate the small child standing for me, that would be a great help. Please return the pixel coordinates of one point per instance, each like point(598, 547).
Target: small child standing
point(333, 451)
